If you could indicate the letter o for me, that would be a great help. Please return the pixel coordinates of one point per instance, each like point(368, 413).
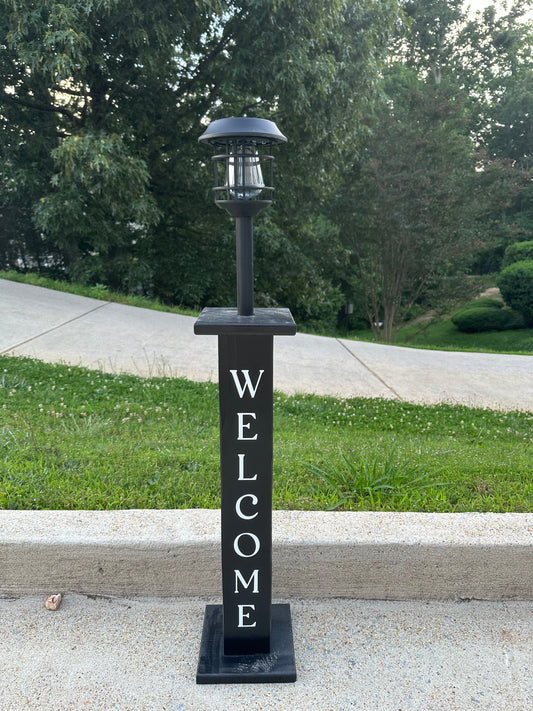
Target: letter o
point(237, 549)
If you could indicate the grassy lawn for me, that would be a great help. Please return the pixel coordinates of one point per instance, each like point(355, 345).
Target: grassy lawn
point(73, 438)
point(444, 336)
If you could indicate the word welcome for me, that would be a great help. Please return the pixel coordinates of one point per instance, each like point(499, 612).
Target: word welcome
point(247, 544)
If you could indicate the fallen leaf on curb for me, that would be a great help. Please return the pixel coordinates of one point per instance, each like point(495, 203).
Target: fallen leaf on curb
point(53, 602)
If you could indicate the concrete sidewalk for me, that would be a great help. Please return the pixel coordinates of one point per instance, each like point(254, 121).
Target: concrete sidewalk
point(57, 327)
point(119, 654)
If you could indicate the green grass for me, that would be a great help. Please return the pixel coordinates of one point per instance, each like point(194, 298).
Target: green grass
point(100, 291)
point(443, 335)
point(73, 438)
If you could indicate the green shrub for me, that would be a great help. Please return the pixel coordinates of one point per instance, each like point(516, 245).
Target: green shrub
point(474, 320)
point(485, 302)
point(320, 311)
point(516, 286)
point(518, 252)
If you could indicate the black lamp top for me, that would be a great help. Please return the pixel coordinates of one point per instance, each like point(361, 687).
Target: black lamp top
point(219, 131)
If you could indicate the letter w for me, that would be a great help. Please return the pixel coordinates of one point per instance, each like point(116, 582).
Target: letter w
point(241, 389)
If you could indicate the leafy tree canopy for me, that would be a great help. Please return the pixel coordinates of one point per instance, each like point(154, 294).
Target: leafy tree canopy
point(102, 179)
point(103, 102)
point(408, 211)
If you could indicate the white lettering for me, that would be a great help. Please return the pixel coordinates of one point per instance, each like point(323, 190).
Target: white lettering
point(242, 426)
point(238, 506)
point(241, 389)
point(243, 614)
point(241, 470)
point(237, 547)
point(239, 578)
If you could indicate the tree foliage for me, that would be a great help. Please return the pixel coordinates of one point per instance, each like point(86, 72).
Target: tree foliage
point(409, 208)
point(442, 175)
point(391, 180)
point(114, 187)
point(485, 60)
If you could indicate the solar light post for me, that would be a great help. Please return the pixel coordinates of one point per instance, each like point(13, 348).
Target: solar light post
point(247, 639)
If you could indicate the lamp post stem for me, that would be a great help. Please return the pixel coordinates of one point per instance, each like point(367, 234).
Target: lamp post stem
point(245, 266)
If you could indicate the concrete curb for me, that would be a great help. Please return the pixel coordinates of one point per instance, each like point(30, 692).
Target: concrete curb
point(369, 555)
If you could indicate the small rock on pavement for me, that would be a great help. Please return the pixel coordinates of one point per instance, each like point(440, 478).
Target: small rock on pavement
point(53, 602)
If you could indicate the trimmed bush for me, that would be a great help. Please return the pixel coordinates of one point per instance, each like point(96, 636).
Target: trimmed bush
point(516, 286)
point(518, 252)
point(471, 320)
point(486, 302)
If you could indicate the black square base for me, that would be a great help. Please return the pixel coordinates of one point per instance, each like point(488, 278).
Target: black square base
point(214, 667)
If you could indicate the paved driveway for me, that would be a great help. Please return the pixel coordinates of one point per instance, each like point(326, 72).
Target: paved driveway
point(57, 327)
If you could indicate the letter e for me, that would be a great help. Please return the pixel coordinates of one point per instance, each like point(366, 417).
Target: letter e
point(243, 614)
point(245, 426)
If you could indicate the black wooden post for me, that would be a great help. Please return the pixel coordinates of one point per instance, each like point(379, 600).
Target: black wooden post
point(246, 639)
point(245, 379)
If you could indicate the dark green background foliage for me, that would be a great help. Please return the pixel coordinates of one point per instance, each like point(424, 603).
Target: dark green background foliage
point(115, 189)
point(516, 285)
point(409, 152)
point(518, 252)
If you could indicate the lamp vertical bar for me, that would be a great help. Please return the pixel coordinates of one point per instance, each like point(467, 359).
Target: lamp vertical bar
point(245, 265)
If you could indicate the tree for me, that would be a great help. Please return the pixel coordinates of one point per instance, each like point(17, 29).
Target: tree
point(410, 204)
point(501, 85)
point(100, 207)
point(120, 189)
point(510, 141)
point(80, 73)
point(485, 60)
point(427, 43)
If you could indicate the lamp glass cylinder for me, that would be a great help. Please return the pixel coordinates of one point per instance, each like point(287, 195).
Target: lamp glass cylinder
point(244, 178)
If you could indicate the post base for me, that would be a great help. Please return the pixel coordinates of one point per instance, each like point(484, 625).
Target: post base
point(215, 667)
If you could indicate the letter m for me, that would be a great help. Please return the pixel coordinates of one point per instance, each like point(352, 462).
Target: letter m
point(247, 385)
point(239, 578)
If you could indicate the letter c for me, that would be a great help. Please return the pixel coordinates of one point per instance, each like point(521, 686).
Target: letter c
point(238, 509)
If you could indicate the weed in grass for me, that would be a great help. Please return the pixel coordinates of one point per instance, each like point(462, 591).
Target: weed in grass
point(365, 481)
